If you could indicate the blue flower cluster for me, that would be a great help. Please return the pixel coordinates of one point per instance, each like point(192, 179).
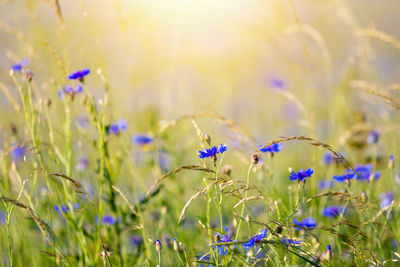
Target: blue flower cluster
point(292, 242)
point(307, 223)
point(256, 239)
point(79, 75)
point(386, 199)
point(365, 173)
point(118, 127)
point(18, 153)
point(222, 249)
point(19, 67)
point(301, 175)
point(333, 211)
point(141, 139)
point(69, 90)
point(65, 208)
point(275, 148)
point(212, 152)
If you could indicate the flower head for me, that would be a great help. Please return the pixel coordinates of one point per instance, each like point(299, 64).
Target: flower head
point(301, 175)
point(256, 239)
point(222, 249)
point(2, 218)
point(212, 152)
point(333, 211)
point(363, 172)
point(136, 240)
point(108, 219)
point(79, 75)
point(292, 242)
point(324, 184)
point(386, 200)
point(18, 153)
point(275, 148)
point(277, 84)
point(307, 223)
point(118, 127)
point(69, 90)
point(373, 137)
point(141, 139)
point(65, 208)
point(19, 67)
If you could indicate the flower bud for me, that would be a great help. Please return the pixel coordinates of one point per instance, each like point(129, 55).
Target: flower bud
point(176, 245)
point(254, 159)
point(158, 245)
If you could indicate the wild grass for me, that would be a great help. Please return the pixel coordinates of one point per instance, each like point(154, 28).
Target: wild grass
point(127, 166)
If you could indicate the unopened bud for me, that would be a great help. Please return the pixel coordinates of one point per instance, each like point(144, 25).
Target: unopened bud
point(29, 75)
point(176, 245)
point(227, 170)
point(47, 101)
point(278, 229)
point(364, 197)
point(158, 245)
point(207, 138)
point(329, 252)
point(254, 159)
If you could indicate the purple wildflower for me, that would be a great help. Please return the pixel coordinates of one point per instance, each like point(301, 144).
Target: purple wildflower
point(18, 153)
point(212, 152)
point(307, 223)
point(19, 67)
point(79, 75)
point(292, 242)
point(118, 127)
point(386, 200)
point(141, 139)
point(222, 249)
point(108, 219)
point(275, 148)
point(256, 239)
point(324, 184)
point(301, 175)
point(333, 211)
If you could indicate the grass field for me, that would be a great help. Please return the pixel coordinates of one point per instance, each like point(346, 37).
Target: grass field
point(199, 133)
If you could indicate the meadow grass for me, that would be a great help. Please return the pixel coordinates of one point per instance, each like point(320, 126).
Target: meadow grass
point(190, 179)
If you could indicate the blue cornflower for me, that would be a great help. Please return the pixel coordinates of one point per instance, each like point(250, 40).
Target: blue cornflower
point(365, 173)
point(18, 67)
point(391, 161)
point(301, 175)
point(307, 223)
point(141, 139)
point(117, 127)
point(373, 137)
point(204, 258)
point(277, 84)
point(212, 152)
point(65, 208)
point(18, 153)
point(329, 159)
point(83, 164)
point(256, 239)
point(69, 90)
point(222, 249)
point(136, 240)
point(2, 218)
point(293, 242)
point(79, 75)
point(108, 219)
point(333, 211)
point(275, 148)
point(324, 184)
point(386, 199)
